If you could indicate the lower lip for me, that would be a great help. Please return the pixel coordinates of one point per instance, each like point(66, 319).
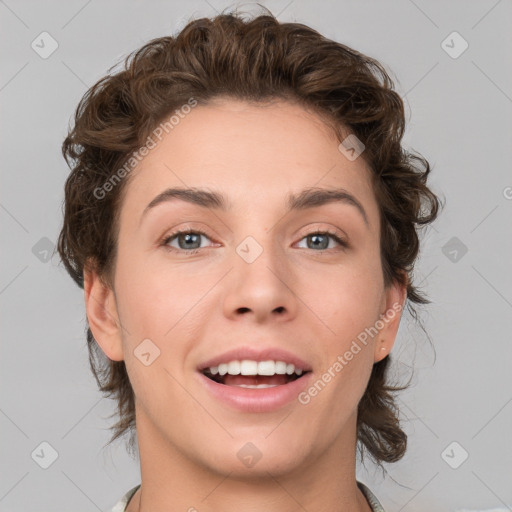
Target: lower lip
point(257, 400)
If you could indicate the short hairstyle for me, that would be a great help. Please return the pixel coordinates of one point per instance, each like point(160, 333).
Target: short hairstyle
point(256, 60)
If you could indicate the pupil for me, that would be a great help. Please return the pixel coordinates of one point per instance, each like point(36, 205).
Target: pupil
point(189, 237)
point(323, 245)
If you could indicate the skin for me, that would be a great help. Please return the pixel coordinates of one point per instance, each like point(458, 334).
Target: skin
point(311, 301)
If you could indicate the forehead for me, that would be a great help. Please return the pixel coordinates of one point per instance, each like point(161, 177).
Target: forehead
point(255, 154)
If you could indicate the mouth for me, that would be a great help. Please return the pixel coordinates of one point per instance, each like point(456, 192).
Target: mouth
point(253, 379)
point(253, 374)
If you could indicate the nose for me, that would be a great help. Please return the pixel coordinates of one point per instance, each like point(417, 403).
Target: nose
point(260, 285)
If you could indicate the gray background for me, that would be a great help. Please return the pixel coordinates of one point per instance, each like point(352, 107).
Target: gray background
point(459, 110)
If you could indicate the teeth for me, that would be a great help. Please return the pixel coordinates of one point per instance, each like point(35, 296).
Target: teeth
point(234, 368)
point(256, 386)
point(248, 367)
point(266, 368)
point(280, 368)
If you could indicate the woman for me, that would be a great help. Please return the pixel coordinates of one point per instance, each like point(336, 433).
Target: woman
point(243, 220)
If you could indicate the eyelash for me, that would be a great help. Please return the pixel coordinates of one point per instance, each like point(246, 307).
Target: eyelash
point(169, 238)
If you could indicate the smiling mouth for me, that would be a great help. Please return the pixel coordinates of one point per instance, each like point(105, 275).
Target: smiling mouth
point(253, 381)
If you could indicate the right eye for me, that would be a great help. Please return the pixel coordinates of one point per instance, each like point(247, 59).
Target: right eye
point(187, 240)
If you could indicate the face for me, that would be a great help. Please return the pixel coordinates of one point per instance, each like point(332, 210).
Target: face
point(260, 276)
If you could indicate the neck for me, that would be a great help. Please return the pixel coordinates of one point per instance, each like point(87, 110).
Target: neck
point(173, 482)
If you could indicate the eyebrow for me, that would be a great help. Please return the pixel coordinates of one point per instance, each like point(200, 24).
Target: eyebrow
point(307, 198)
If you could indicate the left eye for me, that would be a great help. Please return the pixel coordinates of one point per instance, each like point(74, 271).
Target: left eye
point(320, 239)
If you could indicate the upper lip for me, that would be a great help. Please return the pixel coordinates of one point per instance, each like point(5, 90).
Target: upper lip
point(256, 354)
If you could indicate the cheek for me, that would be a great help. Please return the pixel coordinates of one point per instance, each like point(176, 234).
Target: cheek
point(348, 303)
point(165, 305)
point(151, 296)
point(347, 298)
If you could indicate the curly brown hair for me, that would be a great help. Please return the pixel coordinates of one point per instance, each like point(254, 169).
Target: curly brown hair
point(254, 59)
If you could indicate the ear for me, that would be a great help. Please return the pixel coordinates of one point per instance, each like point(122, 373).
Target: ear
point(101, 308)
point(393, 303)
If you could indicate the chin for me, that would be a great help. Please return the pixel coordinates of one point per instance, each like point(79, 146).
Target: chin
point(250, 457)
